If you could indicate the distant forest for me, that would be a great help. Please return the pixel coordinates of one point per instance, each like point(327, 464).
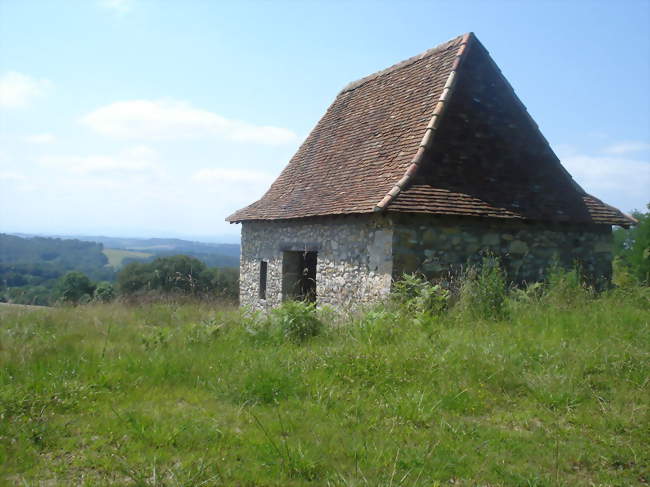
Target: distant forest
point(32, 270)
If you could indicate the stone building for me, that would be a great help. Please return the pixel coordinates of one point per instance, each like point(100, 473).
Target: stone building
point(423, 166)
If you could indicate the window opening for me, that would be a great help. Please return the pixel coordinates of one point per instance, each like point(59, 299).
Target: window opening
point(263, 272)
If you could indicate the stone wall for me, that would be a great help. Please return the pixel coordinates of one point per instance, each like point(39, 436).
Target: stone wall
point(354, 261)
point(359, 256)
point(436, 245)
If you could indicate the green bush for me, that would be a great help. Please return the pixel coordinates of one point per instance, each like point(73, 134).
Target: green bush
point(176, 276)
point(104, 292)
point(75, 288)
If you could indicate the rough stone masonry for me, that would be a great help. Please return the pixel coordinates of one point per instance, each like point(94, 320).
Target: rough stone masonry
point(354, 259)
point(358, 257)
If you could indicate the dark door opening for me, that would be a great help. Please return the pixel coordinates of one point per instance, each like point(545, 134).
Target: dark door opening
point(299, 276)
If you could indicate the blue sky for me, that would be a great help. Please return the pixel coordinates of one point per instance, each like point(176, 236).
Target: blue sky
point(160, 118)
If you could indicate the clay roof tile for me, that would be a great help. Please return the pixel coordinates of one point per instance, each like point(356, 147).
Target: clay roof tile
point(423, 136)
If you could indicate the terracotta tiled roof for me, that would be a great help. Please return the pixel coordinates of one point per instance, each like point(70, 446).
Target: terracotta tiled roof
point(440, 133)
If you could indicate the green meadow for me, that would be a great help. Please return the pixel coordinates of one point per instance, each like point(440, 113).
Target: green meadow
point(551, 390)
point(117, 256)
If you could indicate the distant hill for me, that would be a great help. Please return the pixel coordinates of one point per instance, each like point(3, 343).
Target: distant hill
point(212, 254)
point(116, 257)
point(147, 249)
point(54, 255)
point(130, 243)
point(163, 245)
point(30, 265)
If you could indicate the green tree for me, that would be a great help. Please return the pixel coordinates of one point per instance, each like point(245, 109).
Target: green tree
point(221, 282)
point(179, 273)
point(135, 277)
point(632, 246)
point(175, 274)
point(104, 292)
point(75, 287)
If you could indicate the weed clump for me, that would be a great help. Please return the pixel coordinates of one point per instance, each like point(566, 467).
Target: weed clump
point(293, 321)
point(297, 321)
point(269, 383)
point(530, 294)
point(565, 287)
point(483, 292)
point(156, 338)
point(377, 325)
point(418, 295)
point(203, 332)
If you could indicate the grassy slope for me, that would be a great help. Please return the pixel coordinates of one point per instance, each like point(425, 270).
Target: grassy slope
point(5, 307)
point(116, 256)
point(179, 395)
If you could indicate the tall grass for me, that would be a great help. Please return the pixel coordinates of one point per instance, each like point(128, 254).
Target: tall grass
point(552, 392)
point(483, 292)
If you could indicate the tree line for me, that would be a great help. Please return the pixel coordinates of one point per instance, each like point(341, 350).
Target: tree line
point(44, 271)
point(179, 275)
point(31, 268)
point(632, 248)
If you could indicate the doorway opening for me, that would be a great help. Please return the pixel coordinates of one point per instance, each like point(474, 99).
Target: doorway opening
point(299, 276)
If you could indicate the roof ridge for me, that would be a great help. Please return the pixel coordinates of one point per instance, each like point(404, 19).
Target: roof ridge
point(407, 62)
point(430, 130)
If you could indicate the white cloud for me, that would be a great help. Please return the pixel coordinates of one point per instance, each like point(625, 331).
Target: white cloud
point(170, 119)
point(137, 160)
point(16, 181)
point(118, 6)
point(40, 138)
point(239, 176)
point(609, 172)
point(622, 182)
point(18, 90)
point(627, 147)
point(11, 176)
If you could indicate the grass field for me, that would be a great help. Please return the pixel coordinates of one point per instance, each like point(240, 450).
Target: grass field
point(6, 307)
point(117, 256)
point(553, 393)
